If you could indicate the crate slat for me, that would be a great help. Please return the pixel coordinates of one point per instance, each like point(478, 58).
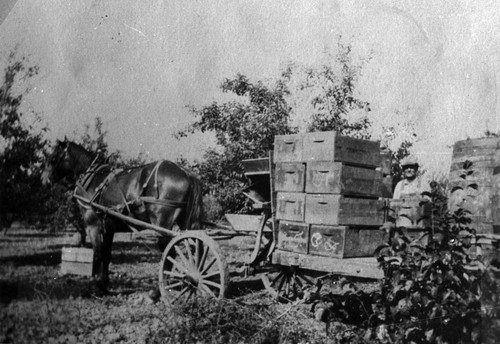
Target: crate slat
point(339, 210)
point(77, 261)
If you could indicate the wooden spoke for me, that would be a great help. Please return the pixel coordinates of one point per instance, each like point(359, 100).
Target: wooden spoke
point(283, 280)
point(177, 265)
point(213, 284)
point(182, 292)
point(209, 265)
point(189, 252)
point(173, 274)
point(305, 279)
point(213, 274)
point(183, 258)
point(206, 291)
point(197, 247)
point(203, 258)
point(184, 271)
point(288, 284)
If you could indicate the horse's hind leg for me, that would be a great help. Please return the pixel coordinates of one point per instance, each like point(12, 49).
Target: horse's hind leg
point(165, 218)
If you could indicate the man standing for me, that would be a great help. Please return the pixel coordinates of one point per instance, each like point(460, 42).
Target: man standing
point(411, 186)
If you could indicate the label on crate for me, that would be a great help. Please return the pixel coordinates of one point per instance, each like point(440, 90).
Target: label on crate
point(293, 236)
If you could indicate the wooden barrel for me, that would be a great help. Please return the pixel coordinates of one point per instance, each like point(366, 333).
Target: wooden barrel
point(472, 183)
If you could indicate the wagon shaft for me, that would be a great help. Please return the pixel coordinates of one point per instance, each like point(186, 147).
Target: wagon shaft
point(126, 218)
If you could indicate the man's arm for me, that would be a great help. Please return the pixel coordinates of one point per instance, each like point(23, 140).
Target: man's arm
point(397, 190)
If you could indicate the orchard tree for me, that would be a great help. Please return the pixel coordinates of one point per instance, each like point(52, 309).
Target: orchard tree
point(399, 139)
point(244, 128)
point(22, 146)
point(94, 140)
point(327, 93)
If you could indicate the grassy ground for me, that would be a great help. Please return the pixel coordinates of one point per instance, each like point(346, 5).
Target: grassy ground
point(38, 304)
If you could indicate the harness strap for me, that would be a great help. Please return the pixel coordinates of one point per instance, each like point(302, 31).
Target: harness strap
point(164, 202)
point(154, 173)
point(110, 177)
point(91, 172)
point(79, 187)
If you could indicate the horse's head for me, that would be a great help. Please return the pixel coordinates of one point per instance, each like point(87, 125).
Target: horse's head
point(57, 166)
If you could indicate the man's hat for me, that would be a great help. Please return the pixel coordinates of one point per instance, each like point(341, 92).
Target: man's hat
point(409, 161)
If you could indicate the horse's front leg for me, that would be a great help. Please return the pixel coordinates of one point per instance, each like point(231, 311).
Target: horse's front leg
point(106, 248)
point(94, 231)
point(74, 215)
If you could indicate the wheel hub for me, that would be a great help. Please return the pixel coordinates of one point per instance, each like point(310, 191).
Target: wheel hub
point(191, 280)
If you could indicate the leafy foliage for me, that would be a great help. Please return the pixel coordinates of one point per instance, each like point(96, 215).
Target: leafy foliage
point(436, 289)
point(22, 149)
point(243, 130)
point(94, 139)
point(402, 150)
point(331, 94)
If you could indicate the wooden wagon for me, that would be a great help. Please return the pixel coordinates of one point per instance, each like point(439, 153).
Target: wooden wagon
point(324, 198)
point(321, 199)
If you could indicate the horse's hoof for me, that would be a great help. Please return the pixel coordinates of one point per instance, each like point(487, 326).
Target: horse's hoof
point(101, 288)
point(154, 295)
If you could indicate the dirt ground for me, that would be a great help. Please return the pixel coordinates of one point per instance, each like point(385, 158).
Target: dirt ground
point(38, 304)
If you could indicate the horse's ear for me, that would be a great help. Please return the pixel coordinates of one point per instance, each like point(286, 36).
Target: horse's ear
point(109, 158)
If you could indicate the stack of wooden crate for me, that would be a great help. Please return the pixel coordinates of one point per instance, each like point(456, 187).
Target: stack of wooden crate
point(330, 191)
point(474, 182)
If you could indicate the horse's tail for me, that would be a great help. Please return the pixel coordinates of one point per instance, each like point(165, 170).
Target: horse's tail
point(194, 207)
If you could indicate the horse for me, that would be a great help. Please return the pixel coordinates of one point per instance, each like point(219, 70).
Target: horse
point(160, 193)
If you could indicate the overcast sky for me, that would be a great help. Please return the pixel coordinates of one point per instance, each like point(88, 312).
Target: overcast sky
point(137, 64)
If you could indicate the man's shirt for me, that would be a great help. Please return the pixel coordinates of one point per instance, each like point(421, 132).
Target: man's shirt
point(409, 188)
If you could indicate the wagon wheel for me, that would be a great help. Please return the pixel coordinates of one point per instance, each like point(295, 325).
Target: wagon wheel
point(192, 265)
point(289, 283)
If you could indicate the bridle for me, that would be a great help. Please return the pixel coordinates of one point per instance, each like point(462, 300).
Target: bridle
point(60, 156)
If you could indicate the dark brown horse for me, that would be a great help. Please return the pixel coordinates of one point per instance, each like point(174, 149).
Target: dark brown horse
point(160, 193)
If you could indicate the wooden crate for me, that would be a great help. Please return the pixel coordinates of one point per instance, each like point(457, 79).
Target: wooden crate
point(337, 178)
point(288, 148)
point(339, 210)
point(385, 162)
point(344, 242)
point(329, 146)
point(411, 213)
point(475, 149)
point(290, 206)
point(386, 187)
point(77, 261)
point(293, 236)
point(290, 176)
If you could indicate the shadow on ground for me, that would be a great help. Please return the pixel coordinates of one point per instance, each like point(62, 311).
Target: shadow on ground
point(39, 259)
